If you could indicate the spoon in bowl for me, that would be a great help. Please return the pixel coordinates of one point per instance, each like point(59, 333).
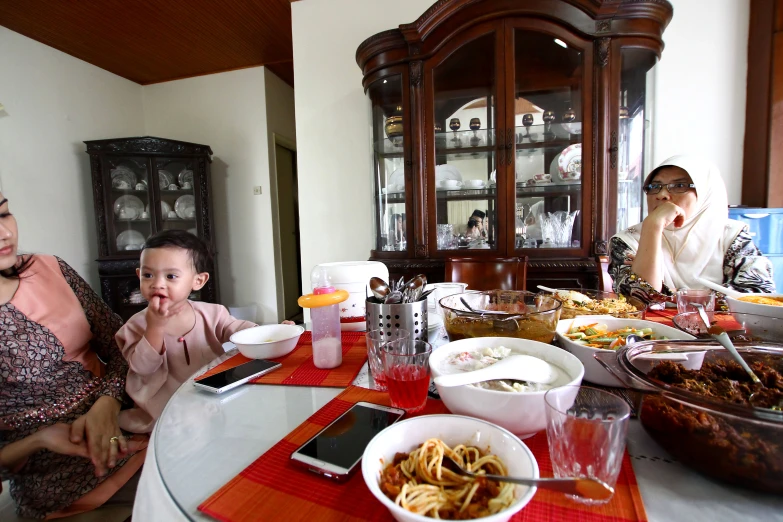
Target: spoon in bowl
point(584, 487)
point(567, 294)
point(720, 288)
point(483, 312)
point(514, 367)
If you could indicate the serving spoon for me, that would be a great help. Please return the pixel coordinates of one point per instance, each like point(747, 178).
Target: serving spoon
point(720, 288)
point(514, 367)
point(719, 334)
point(567, 294)
point(583, 487)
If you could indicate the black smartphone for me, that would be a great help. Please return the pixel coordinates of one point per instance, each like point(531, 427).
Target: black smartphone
point(336, 451)
point(233, 377)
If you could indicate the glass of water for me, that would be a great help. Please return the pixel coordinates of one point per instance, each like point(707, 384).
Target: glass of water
point(687, 297)
point(586, 429)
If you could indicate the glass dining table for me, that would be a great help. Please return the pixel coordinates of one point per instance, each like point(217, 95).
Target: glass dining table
point(203, 440)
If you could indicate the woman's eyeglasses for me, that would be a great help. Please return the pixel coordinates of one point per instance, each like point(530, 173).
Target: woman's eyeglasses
point(674, 188)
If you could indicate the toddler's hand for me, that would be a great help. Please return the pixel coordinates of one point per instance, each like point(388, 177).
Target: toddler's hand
point(160, 310)
point(288, 322)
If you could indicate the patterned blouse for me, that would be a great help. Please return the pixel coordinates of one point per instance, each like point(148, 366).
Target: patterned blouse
point(47, 378)
point(745, 269)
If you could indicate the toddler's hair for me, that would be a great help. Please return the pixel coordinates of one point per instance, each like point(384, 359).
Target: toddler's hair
point(199, 251)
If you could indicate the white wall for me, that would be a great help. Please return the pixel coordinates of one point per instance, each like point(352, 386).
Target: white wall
point(228, 112)
point(700, 82)
point(333, 134)
point(53, 102)
point(699, 96)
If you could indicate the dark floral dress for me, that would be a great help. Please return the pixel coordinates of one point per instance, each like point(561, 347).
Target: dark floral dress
point(39, 388)
point(745, 269)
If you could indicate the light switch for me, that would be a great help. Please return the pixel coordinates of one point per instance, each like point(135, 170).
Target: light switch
point(256, 191)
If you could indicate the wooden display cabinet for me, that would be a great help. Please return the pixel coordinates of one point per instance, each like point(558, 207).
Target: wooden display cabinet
point(531, 111)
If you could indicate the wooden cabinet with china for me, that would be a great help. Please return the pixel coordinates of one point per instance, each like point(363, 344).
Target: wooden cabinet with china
point(141, 186)
point(505, 128)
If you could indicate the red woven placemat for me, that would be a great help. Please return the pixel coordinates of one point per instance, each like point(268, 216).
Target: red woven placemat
point(298, 368)
point(273, 489)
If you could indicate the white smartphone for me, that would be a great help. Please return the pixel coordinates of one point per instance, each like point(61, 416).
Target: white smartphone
point(233, 377)
point(335, 452)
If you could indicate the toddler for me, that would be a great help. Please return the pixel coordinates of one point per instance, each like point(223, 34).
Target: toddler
point(173, 337)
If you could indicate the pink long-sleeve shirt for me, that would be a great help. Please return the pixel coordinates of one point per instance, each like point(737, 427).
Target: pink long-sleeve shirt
point(154, 376)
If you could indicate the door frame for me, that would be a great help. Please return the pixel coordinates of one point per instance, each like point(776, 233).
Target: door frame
point(289, 144)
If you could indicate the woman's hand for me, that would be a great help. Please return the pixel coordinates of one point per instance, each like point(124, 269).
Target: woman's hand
point(98, 426)
point(666, 214)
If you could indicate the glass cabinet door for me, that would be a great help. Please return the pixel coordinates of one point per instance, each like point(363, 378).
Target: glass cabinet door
point(388, 122)
point(548, 125)
point(632, 165)
point(465, 116)
point(179, 208)
point(129, 220)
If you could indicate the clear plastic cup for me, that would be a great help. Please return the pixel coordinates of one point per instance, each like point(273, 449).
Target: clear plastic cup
point(375, 339)
point(407, 369)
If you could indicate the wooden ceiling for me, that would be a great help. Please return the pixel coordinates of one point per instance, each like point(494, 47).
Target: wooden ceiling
point(151, 41)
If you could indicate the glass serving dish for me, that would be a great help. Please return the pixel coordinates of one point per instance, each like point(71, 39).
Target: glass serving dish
point(525, 315)
point(735, 442)
point(605, 305)
point(738, 326)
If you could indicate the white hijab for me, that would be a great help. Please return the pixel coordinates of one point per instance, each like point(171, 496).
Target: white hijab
point(695, 249)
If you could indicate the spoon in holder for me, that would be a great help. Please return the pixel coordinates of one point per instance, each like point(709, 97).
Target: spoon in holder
point(584, 487)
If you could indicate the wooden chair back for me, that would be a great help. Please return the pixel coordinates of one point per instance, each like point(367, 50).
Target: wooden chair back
point(488, 274)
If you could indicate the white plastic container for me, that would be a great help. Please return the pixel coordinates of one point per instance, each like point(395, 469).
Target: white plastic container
point(354, 278)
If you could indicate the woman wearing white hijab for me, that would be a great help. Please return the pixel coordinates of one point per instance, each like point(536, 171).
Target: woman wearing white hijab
point(686, 235)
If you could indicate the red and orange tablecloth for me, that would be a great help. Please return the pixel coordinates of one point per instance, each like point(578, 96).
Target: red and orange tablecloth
point(298, 368)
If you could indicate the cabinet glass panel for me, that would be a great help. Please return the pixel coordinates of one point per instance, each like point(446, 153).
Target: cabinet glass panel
point(389, 167)
point(548, 141)
point(178, 205)
point(127, 179)
point(631, 137)
point(465, 172)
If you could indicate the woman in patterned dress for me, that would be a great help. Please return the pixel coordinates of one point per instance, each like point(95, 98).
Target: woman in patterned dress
point(686, 235)
point(62, 383)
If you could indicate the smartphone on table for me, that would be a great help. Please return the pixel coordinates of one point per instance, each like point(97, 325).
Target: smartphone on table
point(335, 452)
point(233, 377)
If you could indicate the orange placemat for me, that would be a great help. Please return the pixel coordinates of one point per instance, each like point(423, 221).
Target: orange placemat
point(298, 368)
point(273, 489)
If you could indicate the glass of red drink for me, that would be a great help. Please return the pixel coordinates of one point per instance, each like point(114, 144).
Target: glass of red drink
point(407, 370)
point(375, 340)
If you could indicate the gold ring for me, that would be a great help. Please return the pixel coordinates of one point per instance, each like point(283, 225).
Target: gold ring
point(114, 439)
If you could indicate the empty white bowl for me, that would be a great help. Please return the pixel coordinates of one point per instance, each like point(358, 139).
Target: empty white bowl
point(268, 341)
point(405, 436)
point(594, 371)
point(522, 413)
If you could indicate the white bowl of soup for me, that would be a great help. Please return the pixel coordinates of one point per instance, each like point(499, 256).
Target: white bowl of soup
point(268, 341)
point(594, 371)
point(770, 305)
point(408, 435)
point(516, 407)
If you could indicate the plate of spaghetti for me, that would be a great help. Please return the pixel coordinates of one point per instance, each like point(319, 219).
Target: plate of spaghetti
point(404, 467)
